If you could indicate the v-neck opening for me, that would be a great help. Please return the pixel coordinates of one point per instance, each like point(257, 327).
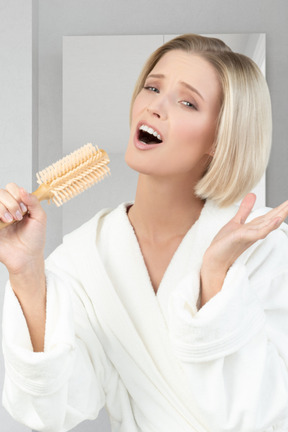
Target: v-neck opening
point(174, 256)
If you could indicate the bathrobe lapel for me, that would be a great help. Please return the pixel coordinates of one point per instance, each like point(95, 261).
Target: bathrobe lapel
point(130, 314)
point(187, 259)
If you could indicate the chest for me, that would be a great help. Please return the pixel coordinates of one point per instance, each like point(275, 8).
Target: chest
point(157, 257)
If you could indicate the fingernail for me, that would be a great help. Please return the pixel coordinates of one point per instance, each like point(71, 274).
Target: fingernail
point(8, 217)
point(18, 215)
point(23, 207)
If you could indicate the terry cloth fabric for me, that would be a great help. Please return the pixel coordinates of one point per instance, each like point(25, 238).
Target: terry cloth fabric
point(156, 362)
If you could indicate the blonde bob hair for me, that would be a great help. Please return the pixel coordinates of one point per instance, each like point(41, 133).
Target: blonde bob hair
point(244, 130)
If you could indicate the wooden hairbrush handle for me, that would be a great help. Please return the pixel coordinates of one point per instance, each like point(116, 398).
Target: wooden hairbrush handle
point(70, 176)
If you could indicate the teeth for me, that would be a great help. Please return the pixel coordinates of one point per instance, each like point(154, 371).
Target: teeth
point(150, 131)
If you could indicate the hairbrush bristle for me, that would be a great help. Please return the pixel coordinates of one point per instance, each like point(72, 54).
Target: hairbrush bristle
point(74, 173)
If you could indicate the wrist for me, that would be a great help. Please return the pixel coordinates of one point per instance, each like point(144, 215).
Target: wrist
point(212, 278)
point(29, 287)
point(215, 264)
point(29, 278)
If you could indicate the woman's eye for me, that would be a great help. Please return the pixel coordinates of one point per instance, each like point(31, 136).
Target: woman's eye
point(151, 88)
point(188, 104)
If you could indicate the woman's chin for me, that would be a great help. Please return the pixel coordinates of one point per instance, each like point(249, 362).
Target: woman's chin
point(135, 161)
point(138, 166)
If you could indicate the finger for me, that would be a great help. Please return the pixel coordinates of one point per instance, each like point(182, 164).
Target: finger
point(280, 211)
point(14, 190)
point(280, 215)
point(258, 232)
point(33, 205)
point(245, 208)
point(5, 215)
point(12, 207)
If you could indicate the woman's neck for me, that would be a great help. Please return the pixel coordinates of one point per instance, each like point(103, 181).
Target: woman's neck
point(164, 209)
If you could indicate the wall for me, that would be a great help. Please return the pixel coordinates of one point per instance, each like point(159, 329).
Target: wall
point(96, 105)
point(104, 17)
point(16, 118)
point(96, 17)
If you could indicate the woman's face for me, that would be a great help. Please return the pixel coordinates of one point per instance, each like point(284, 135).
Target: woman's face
point(179, 105)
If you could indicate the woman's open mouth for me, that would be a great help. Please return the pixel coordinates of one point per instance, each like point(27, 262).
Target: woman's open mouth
point(148, 135)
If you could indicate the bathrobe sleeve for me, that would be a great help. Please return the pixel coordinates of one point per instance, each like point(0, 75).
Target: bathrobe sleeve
point(67, 383)
point(234, 350)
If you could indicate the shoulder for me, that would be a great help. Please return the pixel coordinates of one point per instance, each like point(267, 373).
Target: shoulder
point(88, 231)
point(83, 240)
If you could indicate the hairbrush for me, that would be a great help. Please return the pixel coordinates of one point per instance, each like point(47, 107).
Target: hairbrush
point(71, 175)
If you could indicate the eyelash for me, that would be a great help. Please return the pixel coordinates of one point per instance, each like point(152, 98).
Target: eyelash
point(151, 88)
point(183, 102)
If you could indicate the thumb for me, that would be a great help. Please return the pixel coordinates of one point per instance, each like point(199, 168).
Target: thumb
point(245, 208)
point(33, 204)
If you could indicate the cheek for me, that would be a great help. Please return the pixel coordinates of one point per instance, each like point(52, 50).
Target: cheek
point(195, 131)
point(133, 113)
point(138, 104)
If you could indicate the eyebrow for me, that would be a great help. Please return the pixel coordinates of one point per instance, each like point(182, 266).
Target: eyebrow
point(183, 83)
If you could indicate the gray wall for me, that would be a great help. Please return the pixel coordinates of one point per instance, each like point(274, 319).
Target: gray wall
point(43, 24)
point(58, 18)
point(96, 104)
point(16, 119)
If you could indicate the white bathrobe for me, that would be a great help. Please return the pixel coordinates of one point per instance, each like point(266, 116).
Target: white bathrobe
point(155, 361)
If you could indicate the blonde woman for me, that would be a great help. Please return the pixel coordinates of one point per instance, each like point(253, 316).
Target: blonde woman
point(171, 311)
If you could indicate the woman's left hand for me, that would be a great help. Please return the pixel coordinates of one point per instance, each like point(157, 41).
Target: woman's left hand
point(232, 240)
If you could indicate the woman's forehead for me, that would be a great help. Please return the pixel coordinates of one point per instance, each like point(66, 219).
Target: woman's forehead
point(182, 61)
point(190, 68)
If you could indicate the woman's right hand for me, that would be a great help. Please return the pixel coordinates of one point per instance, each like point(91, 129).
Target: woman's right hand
point(22, 252)
point(21, 243)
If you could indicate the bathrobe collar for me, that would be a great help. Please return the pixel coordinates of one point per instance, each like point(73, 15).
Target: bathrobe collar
point(118, 283)
point(186, 260)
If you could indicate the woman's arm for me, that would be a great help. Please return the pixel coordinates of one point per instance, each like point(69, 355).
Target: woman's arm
point(22, 252)
point(234, 239)
point(30, 289)
point(67, 383)
point(56, 372)
point(234, 350)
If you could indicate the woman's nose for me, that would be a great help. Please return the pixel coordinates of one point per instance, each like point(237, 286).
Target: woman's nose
point(158, 108)
point(154, 112)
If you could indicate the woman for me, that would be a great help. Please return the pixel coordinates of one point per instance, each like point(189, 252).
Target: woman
point(172, 311)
